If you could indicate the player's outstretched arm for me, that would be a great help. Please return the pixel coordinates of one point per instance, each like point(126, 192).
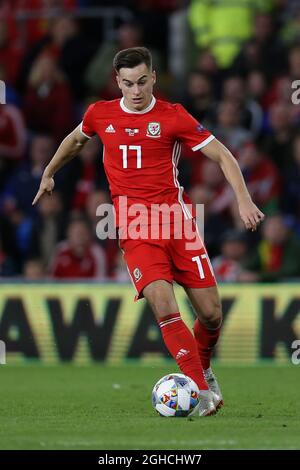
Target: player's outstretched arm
point(68, 149)
point(249, 212)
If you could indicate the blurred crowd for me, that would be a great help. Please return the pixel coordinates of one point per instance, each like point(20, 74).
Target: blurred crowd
point(241, 61)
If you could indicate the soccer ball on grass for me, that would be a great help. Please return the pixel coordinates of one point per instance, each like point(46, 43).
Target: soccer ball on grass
point(175, 395)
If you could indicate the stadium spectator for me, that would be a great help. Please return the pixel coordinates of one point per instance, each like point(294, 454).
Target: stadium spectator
point(199, 99)
point(294, 62)
point(206, 63)
point(228, 265)
point(257, 90)
point(10, 55)
point(262, 177)
point(248, 59)
point(48, 229)
point(250, 112)
point(109, 244)
point(12, 140)
point(26, 31)
point(229, 128)
point(214, 223)
point(7, 236)
point(7, 267)
point(291, 194)
point(277, 143)
point(277, 256)
point(67, 46)
point(263, 50)
point(223, 26)
point(213, 179)
point(280, 85)
point(47, 92)
point(11, 95)
point(23, 183)
point(290, 32)
point(84, 175)
point(93, 201)
point(75, 51)
point(99, 75)
point(22, 225)
point(34, 270)
point(78, 256)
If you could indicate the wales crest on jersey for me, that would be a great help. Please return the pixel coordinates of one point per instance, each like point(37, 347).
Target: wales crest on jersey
point(153, 129)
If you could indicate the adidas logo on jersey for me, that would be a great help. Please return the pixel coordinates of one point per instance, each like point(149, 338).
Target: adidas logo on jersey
point(110, 129)
point(181, 353)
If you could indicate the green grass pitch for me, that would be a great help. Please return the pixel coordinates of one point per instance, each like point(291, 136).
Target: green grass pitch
point(109, 407)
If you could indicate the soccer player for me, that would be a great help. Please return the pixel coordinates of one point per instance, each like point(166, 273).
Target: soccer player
point(141, 138)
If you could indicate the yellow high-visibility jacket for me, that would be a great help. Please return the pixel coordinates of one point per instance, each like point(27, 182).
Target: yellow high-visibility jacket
point(223, 25)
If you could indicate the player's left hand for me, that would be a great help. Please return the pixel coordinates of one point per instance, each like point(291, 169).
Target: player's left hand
point(250, 214)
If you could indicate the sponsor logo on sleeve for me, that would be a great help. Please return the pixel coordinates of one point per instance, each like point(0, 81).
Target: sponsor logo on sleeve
point(200, 128)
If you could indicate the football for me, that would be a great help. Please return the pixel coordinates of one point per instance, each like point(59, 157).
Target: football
point(175, 395)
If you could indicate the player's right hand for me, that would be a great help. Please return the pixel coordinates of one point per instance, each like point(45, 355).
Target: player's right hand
point(46, 186)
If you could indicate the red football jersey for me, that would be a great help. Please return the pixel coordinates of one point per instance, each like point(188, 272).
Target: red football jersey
point(142, 149)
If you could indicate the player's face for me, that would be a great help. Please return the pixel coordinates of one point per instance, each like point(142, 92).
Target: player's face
point(136, 85)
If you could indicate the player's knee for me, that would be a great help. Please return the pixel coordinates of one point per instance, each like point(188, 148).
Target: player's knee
point(213, 315)
point(160, 300)
point(162, 306)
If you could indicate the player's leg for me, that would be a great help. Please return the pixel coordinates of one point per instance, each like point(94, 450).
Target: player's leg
point(193, 270)
point(207, 306)
point(178, 338)
point(207, 327)
point(150, 270)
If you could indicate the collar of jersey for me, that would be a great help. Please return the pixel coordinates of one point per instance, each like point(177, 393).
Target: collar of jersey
point(146, 110)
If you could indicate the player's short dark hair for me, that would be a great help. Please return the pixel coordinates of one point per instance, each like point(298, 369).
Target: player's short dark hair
point(129, 58)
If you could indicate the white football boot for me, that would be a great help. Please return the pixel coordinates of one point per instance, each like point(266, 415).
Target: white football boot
point(214, 388)
point(206, 405)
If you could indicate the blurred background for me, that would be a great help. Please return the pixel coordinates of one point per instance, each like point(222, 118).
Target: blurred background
point(231, 64)
point(65, 295)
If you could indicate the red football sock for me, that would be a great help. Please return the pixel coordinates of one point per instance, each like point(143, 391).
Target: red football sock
point(182, 345)
point(206, 340)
